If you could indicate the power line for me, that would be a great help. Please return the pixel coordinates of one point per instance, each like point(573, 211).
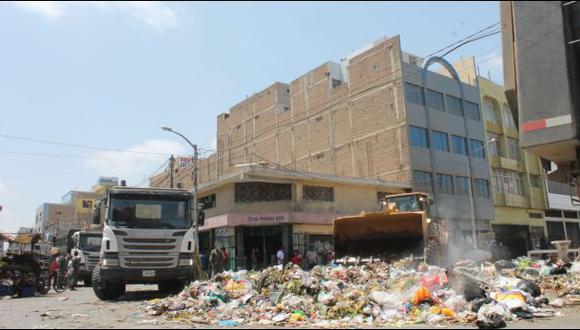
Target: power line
point(78, 145)
point(69, 156)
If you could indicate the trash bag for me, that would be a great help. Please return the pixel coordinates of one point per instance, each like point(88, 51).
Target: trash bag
point(504, 264)
point(559, 271)
point(477, 304)
point(530, 287)
point(492, 316)
point(522, 313)
point(472, 289)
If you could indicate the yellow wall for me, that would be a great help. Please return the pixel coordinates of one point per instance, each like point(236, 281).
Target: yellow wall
point(515, 216)
point(313, 229)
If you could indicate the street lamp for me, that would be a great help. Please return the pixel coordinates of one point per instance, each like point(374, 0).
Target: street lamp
point(194, 176)
point(471, 197)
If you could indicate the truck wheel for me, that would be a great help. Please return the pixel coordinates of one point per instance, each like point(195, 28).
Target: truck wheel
point(433, 253)
point(105, 290)
point(171, 286)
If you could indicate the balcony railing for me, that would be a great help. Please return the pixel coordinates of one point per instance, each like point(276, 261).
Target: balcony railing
point(559, 188)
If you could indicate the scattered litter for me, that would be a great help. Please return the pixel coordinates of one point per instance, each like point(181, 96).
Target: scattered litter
point(375, 294)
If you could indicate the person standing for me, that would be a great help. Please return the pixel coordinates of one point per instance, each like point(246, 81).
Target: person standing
point(62, 263)
point(280, 256)
point(226, 258)
point(311, 257)
point(254, 258)
point(73, 270)
point(297, 258)
point(215, 261)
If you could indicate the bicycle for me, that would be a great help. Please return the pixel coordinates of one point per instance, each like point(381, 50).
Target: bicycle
point(60, 283)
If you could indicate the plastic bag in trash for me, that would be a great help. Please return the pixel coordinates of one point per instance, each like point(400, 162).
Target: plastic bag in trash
point(386, 299)
point(530, 287)
point(492, 316)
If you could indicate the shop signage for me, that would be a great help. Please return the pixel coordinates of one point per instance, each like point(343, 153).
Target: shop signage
point(266, 218)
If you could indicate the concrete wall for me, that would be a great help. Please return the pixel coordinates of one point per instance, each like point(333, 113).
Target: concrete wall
point(451, 207)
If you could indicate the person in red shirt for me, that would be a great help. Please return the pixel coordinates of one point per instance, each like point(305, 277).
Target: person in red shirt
point(226, 256)
point(296, 258)
point(53, 270)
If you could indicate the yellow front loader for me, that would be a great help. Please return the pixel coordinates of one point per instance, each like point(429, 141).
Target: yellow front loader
point(403, 228)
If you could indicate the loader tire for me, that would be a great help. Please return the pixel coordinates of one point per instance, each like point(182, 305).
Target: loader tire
point(171, 287)
point(433, 253)
point(106, 290)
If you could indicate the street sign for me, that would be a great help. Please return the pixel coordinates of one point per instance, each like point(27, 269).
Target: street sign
point(184, 161)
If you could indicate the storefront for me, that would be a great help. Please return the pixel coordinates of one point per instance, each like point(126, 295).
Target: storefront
point(252, 241)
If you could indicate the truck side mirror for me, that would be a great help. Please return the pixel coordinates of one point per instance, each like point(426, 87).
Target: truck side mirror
point(97, 215)
point(200, 218)
point(430, 200)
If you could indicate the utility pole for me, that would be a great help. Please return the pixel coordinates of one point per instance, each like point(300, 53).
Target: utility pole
point(172, 170)
point(195, 197)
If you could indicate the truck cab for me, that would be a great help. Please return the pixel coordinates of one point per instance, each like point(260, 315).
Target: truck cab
point(148, 238)
point(88, 246)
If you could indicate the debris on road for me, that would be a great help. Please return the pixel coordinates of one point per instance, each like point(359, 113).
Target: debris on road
point(404, 292)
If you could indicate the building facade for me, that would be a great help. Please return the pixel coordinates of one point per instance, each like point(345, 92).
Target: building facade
point(379, 115)
point(517, 176)
point(264, 208)
point(562, 215)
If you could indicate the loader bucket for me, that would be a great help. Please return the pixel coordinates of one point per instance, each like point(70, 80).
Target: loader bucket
point(379, 235)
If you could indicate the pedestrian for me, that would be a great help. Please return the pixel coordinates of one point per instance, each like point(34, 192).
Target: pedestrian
point(73, 270)
point(62, 263)
point(216, 261)
point(254, 258)
point(296, 258)
point(280, 256)
point(311, 257)
point(226, 258)
point(53, 270)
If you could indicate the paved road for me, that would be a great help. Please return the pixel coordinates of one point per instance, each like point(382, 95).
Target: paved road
point(81, 309)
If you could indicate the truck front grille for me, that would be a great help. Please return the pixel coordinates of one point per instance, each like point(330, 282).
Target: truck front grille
point(148, 253)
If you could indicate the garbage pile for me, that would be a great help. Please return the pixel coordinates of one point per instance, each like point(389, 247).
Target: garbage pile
point(396, 294)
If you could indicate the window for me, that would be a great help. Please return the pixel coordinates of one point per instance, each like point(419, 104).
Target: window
point(494, 147)
point(477, 148)
point(472, 111)
point(461, 185)
point(507, 182)
point(381, 195)
point(318, 119)
point(513, 149)
point(454, 105)
point(423, 181)
point(459, 145)
point(444, 184)
point(491, 109)
point(537, 181)
point(440, 141)
point(87, 204)
point(554, 213)
point(313, 193)
point(481, 188)
point(413, 93)
point(555, 231)
point(318, 156)
point(246, 192)
point(435, 100)
point(418, 137)
point(570, 214)
point(508, 118)
point(336, 83)
point(208, 202)
point(536, 215)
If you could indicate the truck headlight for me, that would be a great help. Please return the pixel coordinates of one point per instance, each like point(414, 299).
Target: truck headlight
point(109, 262)
point(186, 262)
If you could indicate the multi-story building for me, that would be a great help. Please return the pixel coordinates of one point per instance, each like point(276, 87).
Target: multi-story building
point(75, 212)
point(380, 114)
point(104, 184)
point(562, 215)
point(518, 189)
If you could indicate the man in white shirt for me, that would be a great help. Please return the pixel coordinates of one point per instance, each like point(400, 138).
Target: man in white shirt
point(280, 256)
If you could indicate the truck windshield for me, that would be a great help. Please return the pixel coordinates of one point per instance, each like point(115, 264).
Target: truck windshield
point(149, 212)
point(406, 203)
point(90, 242)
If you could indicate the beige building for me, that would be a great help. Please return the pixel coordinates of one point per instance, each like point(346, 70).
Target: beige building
point(379, 114)
point(265, 208)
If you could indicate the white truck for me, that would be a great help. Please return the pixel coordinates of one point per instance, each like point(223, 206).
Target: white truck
point(88, 246)
point(148, 238)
